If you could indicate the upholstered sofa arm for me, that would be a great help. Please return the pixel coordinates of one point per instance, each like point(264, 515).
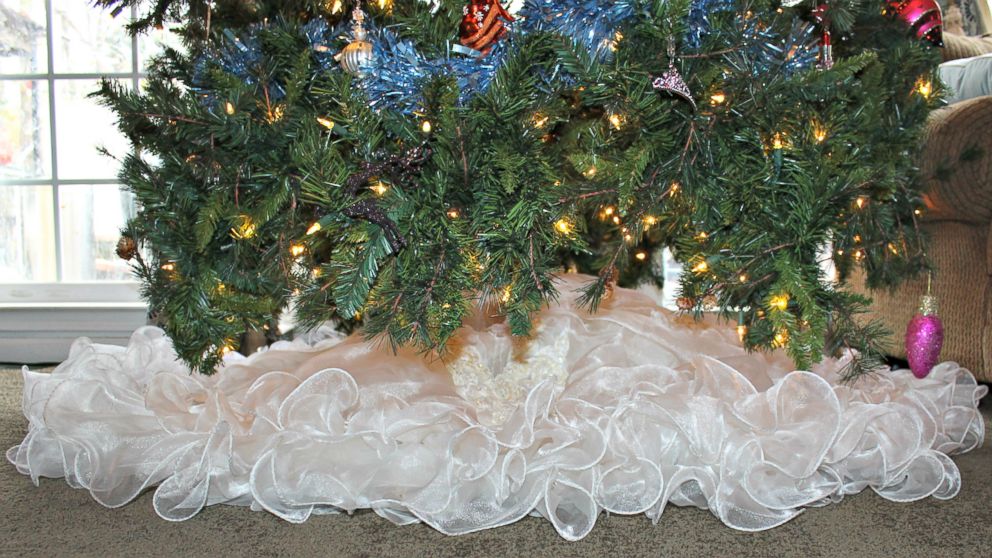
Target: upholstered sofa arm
point(961, 46)
point(956, 162)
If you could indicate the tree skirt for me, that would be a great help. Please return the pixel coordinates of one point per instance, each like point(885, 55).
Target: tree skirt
point(625, 410)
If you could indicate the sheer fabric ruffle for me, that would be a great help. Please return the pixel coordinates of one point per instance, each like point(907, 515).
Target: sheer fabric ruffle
point(625, 410)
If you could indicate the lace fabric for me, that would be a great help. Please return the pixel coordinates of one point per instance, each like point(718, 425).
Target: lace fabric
point(625, 410)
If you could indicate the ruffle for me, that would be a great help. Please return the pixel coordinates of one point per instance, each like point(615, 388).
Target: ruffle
point(625, 410)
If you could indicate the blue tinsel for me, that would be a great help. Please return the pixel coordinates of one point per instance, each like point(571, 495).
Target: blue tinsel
point(698, 20)
point(393, 78)
point(591, 23)
point(795, 52)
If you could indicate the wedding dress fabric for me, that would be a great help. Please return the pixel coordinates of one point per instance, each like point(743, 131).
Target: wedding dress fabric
point(625, 410)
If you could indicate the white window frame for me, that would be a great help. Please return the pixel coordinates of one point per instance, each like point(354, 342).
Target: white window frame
point(40, 320)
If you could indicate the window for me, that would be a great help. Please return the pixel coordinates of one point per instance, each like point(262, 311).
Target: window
point(61, 206)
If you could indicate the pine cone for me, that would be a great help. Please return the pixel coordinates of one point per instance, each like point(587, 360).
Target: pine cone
point(126, 247)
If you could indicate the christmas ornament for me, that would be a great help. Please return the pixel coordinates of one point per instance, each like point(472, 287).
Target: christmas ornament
point(671, 80)
point(127, 248)
point(826, 47)
point(397, 169)
point(358, 54)
point(924, 336)
point(922, 16)
point(483, 24)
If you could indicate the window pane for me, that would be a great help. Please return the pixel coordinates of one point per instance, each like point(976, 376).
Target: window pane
point(91, 218)
point(25, 134)
point(154, 42)
point(27, 234)
point(88, 40)
point(81, 127)
point(22, 26)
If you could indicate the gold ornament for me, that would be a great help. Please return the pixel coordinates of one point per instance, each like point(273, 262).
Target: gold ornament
point(358, 54)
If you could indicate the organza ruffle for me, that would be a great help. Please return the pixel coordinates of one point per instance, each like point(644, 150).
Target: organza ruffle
point(625, 410)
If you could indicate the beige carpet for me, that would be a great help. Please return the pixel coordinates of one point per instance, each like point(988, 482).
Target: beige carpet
point(55, 520)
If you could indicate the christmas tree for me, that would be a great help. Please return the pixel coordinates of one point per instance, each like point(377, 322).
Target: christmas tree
point(393, 166)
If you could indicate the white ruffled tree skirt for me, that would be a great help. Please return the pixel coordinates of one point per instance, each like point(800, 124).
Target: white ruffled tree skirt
point(624, 410)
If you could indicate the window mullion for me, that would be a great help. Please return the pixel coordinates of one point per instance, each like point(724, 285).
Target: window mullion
point(50, 76)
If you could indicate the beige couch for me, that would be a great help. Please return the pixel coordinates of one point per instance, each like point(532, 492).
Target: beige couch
point(959, 221)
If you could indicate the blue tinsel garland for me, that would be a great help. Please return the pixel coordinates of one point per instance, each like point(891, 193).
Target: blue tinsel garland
point(394, 76)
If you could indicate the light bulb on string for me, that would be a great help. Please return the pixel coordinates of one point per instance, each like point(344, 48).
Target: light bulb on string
point(819, 132)
point(616, 120)
point(780, 302)
point(778, 141)
point(314, 228)
point(615, 43)
point(781, 338)
point(325, 122)
point(244, 229)
point(507, 293)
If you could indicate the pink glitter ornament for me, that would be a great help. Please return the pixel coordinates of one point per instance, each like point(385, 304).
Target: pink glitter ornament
point(922, 16)
point(924, 336)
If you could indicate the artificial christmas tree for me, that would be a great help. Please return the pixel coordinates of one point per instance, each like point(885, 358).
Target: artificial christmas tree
point(575, 141)
point(428, 171)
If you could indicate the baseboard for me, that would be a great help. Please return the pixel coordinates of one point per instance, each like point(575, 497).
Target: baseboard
point(32, 333)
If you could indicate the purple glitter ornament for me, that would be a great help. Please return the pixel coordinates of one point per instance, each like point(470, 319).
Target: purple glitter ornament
point(924, 336)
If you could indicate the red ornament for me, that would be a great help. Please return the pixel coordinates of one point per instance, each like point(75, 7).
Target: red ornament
point(826, 42)
point(484, 23)
point(922, 16)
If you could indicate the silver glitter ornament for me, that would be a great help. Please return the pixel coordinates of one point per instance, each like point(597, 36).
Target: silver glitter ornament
point(671, 80)
point(357, 55)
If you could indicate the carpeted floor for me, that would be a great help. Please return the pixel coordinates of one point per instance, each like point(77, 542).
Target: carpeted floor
point(55, 520)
